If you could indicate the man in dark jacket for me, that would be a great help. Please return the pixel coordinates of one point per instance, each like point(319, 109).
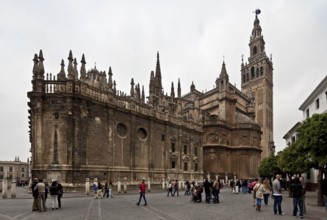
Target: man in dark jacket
point(35, 194)
point(297, 192)
point(207, 189)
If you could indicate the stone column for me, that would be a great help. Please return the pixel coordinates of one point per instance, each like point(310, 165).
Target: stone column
point(4, 188)
point(125, 185)
point(118, 186)
point(87, 186)
point(163, 183)
point(13, 189)
point(149, 185)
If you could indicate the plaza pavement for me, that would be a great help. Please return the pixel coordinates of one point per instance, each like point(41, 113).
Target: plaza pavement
point(123, 206)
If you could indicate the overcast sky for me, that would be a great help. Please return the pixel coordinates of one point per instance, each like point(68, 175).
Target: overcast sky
point(191, 36)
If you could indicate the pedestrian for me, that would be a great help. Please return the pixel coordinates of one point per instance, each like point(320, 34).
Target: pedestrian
point(54, 194)
point(251, 185)
point(207, 190)
point(303, 194)
point(266, 191)
point(110, 189)
point(60, 194)
point(324, 190)
point(278, 198)
point(35, 206)
point(215, 190)
point(99, 191)
point(188, 188)
point(95, 187)
point(142, 188)
point(40, 187)
point(176, 188)
point(258, 189)
point(297, 190)
point(231, 185)
point(106, 190)
point(170, 189)
point(244, 186)
point(238, 186)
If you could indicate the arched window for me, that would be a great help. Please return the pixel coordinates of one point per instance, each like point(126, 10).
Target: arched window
point(252, 72)
point(257, 72)
point(255, 50)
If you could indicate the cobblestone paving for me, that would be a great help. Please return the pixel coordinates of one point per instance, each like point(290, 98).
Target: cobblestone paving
point(231, 206)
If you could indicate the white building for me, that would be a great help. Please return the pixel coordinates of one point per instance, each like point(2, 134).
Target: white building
point(316, 103)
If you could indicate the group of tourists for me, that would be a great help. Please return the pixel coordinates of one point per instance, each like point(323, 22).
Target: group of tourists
point(40, 192)
point(102, 191)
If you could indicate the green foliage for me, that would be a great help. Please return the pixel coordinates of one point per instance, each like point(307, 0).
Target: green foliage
point(268, 167)
point(312, 137)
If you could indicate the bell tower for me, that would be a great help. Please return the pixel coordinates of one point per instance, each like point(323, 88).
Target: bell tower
point(257, 78)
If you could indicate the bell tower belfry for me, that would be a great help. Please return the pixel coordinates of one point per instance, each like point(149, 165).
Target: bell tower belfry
point(257, 78)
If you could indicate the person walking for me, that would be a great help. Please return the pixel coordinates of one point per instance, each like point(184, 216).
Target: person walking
point(142, 188)
point(60, 193)
point(258, 189)
point(176, 188)
point(106, 190)
point(297, 191)
point(188, 188)
point(35, 193)
point(54, 194)
point(278, 198)
point(40, 187)
point(266, 191)
point(303, 194)
point(170, 189)
point(110, 189)
point(99, 191)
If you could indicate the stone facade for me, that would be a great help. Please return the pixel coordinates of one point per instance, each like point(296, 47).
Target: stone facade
point(83, 127)
point(16, 169)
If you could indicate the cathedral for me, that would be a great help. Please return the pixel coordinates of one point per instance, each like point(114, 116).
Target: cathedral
point(82, 126)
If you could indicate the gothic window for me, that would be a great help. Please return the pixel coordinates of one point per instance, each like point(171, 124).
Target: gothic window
point(196, 167)
point(185, 166)
point(257, 72)
point(142, 133)
point(255, 50)
point(173, 147)
point(121, 130)
point(185, 149)
point(252, 72)
point(173, 164)
point(247, 77)
point(317, 103)
point(261, 71)
point(243, 78)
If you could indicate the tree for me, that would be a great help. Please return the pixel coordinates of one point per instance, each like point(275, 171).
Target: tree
point(268, 167)
point(312, 139)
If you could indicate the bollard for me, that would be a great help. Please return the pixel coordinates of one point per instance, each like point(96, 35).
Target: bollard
point(125, 185)
point(87, 186)
point(13, 189)
point(149, 185)
point(163, 183)
point(4, 189)
point(118, 186)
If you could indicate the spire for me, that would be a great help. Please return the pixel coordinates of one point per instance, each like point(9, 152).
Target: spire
point(62, 75)
point(40, 69)
point(143, 95)
point(172, 91)
point(70, 67)
point(115, 87)
point(75, 69)
point(158, 83)
point(192, 87)
point(36, 61)
point(83, 70)
point(223, 72)
point(152, 81)
point(132, 87)
point(179, 91)
point(110, 78)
